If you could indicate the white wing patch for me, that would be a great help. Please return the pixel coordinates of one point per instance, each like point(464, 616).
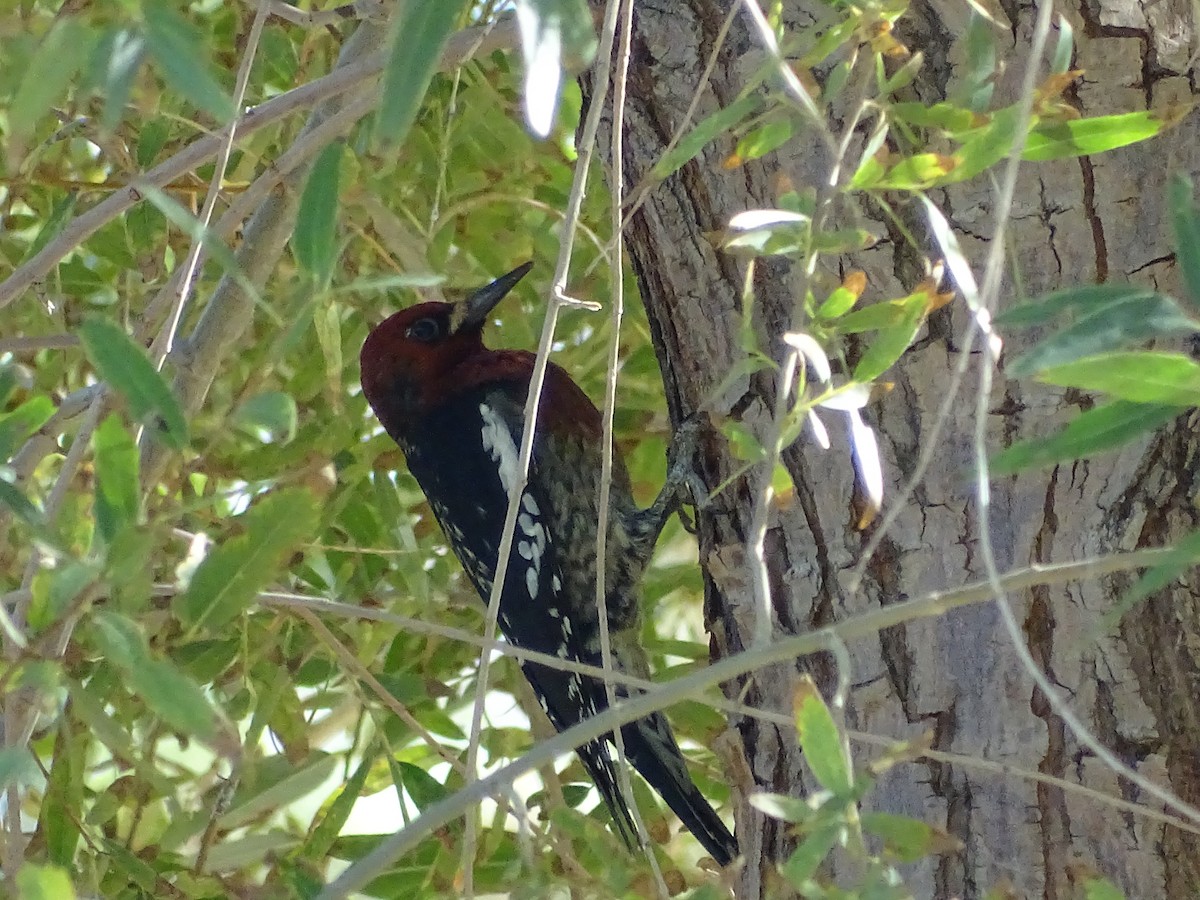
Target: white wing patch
point(498, 441)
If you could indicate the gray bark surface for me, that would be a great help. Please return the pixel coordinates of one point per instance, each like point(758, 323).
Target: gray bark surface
point(956, 677)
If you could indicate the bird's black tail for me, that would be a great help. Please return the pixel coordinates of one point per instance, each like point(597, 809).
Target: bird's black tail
point(652, 749)
point(599, 764)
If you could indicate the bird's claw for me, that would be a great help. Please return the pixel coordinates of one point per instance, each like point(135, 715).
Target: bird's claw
point(681, 470)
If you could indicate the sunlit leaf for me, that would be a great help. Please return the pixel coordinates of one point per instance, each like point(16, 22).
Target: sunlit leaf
point(271, 416)
point(820, 740)
point(1083, 137)
point(231, 576)
point(707, 129)
point(1145, 377)
point(38, 882)
point(909, 840)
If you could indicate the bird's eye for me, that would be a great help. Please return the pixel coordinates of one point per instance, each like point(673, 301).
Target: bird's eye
point(424, 330)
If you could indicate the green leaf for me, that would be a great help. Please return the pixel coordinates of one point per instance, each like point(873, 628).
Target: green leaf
point(805, 859)
point(909, 840)
point(18, 504)
point(1181, 557)
point(314, 239)
point(424, 789)
point(175, 44)
point(1097, 888)
point(1078, 300)
point(944, 116)
point(270, 416)
point(128, 370)
point(54, 591)
point(1144, 377)
point(230, 577)
point(174, 697)
point(1083, 137)
point(820, 740)
point(1185, 227)
point(422, 28)
point(892, 341)
point(322, 838)
point(48, 73)
point(117, 488)
point(764, 139)
point(296, 782)
point(118, 56)
point(554, 34)
point(37, 882)
point(691, 145)
point(165, 690)
point(1111, 326)
point(18, 425)
point(62, 213)
point(1088, 434)
point(783, 807)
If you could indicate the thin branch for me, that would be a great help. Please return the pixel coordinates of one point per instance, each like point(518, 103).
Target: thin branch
point(617, 309)
point(558, 300)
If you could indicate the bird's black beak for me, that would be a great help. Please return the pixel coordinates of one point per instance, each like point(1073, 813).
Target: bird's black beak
point(476, 307)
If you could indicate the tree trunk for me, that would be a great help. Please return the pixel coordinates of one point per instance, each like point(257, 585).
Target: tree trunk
point(956, 677)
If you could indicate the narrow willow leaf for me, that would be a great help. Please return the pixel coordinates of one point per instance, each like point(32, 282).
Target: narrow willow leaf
point(892, 341)
point(165, 690)
point(807, 858)
point(422, 28)
point(820, 741)
point(424, 789)
point(1185, 226)
point(322, 838)
point(23, 421)
point(1083, 137)
point(1144, 377)
point(1096, 431)
point(128, 370)
point(230, 577)
point(18, 504)
point(944, 116)
point(62, 213)
point(175, 43)
point(1112, 326)
point(554, 34)
point(176, 699)
point(909, 840)
point(314, 240)
point(1181, 558)
point(119, 56)
point(48, 73)
point(764, 139)
point(717, 123)
point(295, 783)
point(37, 882)
point(783, 807)
point(117, 489)
point(1074, 300)
point(1064, 47)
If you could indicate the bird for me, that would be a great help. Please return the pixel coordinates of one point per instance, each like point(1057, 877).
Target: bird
point(456, 409)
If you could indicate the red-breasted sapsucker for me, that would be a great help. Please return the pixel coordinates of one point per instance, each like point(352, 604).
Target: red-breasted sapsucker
point(456, 409)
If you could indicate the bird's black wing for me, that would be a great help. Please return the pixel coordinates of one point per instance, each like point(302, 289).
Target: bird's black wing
point(467, 484)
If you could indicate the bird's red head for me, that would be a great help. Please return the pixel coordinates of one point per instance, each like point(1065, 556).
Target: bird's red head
point(412, 355)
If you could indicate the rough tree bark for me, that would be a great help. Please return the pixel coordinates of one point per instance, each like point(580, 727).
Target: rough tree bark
point(1091, 219)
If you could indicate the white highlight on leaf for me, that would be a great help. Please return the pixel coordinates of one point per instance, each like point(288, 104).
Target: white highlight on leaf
point(865, 448)
point(764, 218)
point(812, 351)
point(541, 48)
